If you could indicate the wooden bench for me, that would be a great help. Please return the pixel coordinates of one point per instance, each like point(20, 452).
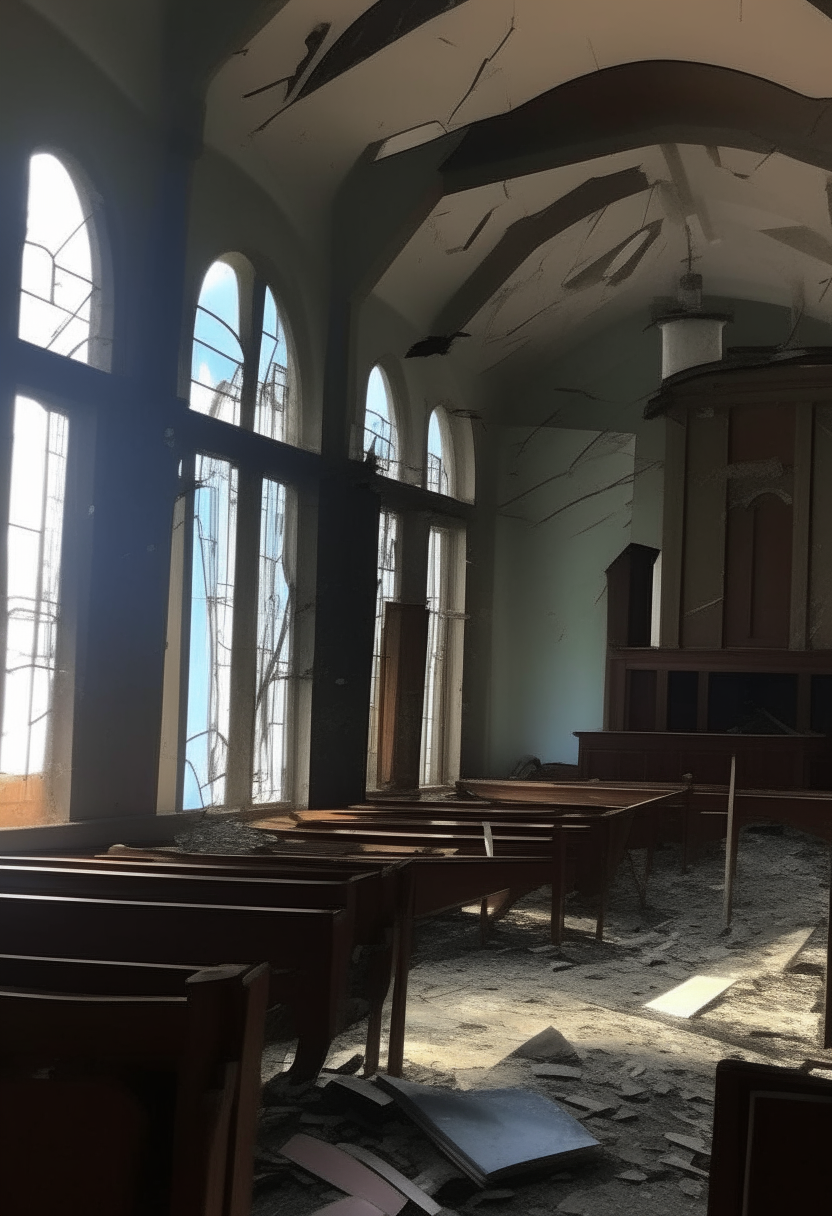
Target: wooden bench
point(309, 949)
point(660, 808)
point(129, 1105)
point(595, 842)
point(368, 896)
point(427, 886)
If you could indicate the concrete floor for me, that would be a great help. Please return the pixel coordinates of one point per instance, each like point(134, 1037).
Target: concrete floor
point(470, 1007)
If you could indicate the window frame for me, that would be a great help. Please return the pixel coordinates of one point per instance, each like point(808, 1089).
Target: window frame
point(257, 459)
point(395, 463)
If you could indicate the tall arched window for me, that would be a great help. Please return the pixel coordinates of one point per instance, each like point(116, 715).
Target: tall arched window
point(238, 311)
point(439, 471)
point(381, 440)
point(227, 717)
point(57, 286)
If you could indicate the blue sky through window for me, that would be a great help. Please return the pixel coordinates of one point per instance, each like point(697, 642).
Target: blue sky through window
point(217, 359)
point(379, 424)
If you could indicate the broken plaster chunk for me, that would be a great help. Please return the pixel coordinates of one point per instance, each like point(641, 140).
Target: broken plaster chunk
point(624, 1115)
point(561, 964)
point(590, 1105)
point(629, 1090)
point(690, 1187)
point(632, 1176)
point(692, 1144)
point(561, 1071)
point(547, 949)
point(637, 1070)
point(697, 1095)
point(662, 1088)
point(681, 1163)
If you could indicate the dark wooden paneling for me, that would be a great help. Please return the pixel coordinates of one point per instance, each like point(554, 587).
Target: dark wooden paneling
point(641, 700)
point(758, 547)
point(763, 761)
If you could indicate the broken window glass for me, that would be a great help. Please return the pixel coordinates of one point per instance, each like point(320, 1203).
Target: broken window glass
point(217, 358)
point(432, 759)
point(36, 508)
point(438, 467)
point(274, 641)
point(387, 589)
point(380, 438)
point(212, 618)
point(56, 283)
point(273, 388)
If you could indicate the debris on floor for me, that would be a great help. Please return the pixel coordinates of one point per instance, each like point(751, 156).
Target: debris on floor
point(478, 1020)
point(493, 1134)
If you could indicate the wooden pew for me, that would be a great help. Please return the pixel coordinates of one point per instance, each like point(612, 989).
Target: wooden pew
point(309, 949)
point(660, 808)
point(428, 886)
point(771, 1136)
point(368, 897)
point(604, 834)
point(130, 1105)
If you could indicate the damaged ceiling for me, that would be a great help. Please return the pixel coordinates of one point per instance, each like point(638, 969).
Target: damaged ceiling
point(595, 148)
point(563, 209)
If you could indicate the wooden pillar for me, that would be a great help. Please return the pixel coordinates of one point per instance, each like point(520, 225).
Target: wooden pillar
point(401, 695)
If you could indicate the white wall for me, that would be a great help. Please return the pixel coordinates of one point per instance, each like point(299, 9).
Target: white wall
point(549, 625)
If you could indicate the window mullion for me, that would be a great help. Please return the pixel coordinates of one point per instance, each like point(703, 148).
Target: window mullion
point(244, 642)
point(252, 327)
point(6, 447)
point(189, 479)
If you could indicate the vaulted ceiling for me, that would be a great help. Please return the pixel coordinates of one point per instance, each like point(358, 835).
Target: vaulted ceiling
point(599, 147)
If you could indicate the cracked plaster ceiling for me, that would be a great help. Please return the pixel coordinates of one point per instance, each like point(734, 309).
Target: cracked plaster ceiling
point(747, 213)
point(757, 222)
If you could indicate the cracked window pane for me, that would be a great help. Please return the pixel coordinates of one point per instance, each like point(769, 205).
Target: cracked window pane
point(380, 438)
point(212, 618)
point(274, 643)
point(387, 589)
point(217, 358)
point(438, 478)
point(56, 282)
point(434, 703)
point(273, 388)
point(36, 508)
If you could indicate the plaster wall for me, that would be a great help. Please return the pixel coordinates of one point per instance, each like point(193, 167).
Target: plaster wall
point(551, 550)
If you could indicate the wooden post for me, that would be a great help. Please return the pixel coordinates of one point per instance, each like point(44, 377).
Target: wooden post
point(730, 848)
point(489, 852)
point(402, 949)
point(401, 694)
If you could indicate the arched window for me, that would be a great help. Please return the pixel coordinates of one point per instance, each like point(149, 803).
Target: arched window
point(217, 360)
point(381, 441)
point(222, 384)
point(440, 464)
point(57, 286)
point(232, 562)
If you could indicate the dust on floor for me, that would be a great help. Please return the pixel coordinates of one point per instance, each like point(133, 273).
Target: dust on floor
point(471, 1006)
